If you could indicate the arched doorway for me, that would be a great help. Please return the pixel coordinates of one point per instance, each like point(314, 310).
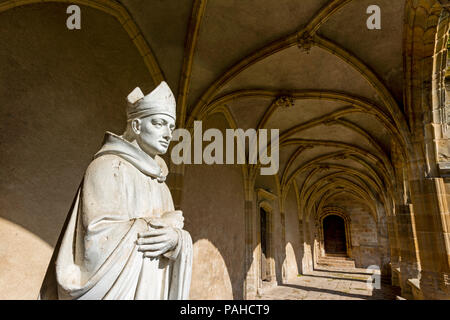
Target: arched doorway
point(266, 275)
point(334, 235)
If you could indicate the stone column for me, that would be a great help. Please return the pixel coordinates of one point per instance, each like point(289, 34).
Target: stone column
point(431, 214)
point(394, 249)
point(252, 259)
point(383, 243)
point(307, 263)
point(302, 241)
point(409, 265)
point(283, 244)
point(408, 262)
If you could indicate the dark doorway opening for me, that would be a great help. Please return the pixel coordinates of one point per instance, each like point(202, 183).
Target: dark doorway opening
point(265, 271)
point(334, 235)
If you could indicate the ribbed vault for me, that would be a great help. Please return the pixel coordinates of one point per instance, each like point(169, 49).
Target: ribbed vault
point(337, 111)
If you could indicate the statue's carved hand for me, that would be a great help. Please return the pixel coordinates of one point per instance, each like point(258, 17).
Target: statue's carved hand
point(157, 241)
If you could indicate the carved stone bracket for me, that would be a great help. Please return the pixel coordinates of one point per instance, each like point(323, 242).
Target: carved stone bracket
point(323, 168)
point(305, 42)
point(264, 195)
point(284, 101)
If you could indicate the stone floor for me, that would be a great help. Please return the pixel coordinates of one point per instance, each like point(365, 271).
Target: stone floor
point(328, 283)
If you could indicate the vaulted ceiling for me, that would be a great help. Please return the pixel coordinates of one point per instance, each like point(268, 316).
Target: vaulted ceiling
point(310, 68)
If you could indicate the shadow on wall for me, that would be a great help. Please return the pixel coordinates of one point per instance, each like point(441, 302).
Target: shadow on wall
point(214, 216)
point(19, 279)
point(213, 272)
point(213, 207)
point(294, 246)
point(292, 262)
point(60, 93)
point(61, 90)
point(213, 203)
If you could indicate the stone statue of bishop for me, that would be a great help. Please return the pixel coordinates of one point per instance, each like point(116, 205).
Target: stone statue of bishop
point(123, 239)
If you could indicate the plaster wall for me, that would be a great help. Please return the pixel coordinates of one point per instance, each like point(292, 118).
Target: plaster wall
point(213, 206)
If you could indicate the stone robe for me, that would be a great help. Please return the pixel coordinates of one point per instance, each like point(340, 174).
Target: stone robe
point(97, 256)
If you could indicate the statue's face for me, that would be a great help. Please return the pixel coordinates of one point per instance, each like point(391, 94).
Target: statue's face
point(153, 133)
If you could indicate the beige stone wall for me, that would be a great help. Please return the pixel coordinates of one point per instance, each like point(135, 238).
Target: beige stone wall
point(366, 247)
point(60, 91)
point(307, 260)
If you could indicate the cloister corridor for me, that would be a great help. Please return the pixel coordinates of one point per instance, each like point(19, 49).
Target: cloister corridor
point(331, 284)
point(359, 173)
